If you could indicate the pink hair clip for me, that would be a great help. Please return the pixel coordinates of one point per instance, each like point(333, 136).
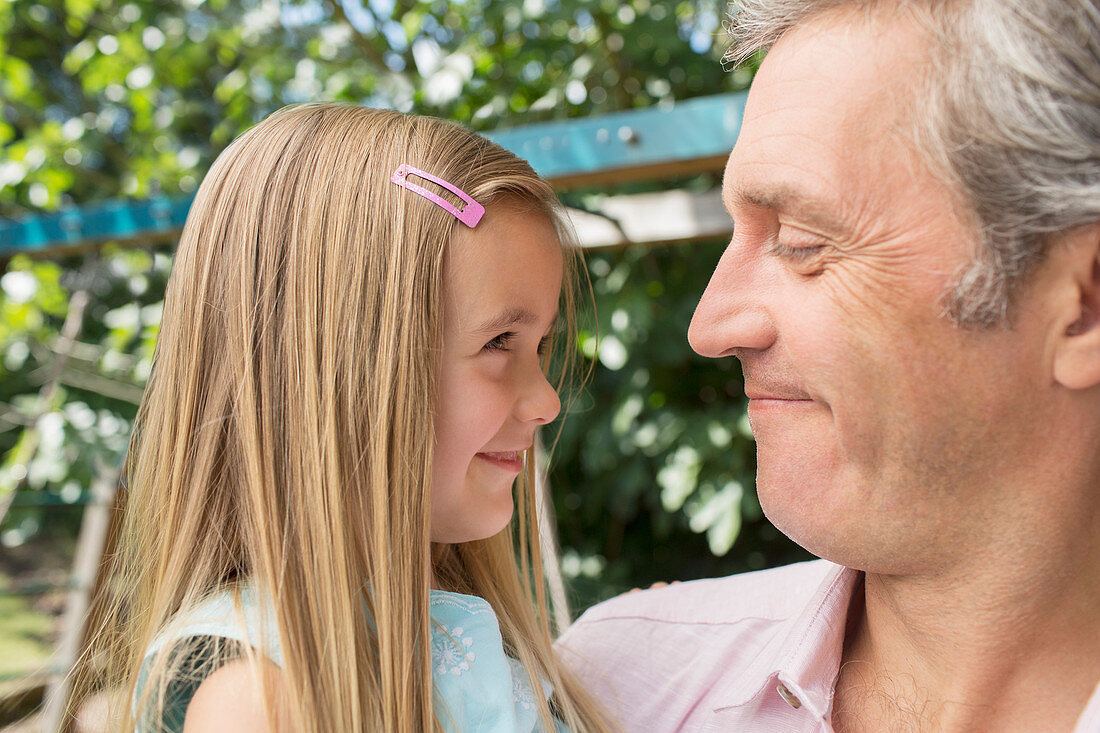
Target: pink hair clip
point(470, 214)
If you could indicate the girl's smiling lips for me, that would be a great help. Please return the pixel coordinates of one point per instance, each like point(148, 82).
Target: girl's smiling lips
point(511, 460)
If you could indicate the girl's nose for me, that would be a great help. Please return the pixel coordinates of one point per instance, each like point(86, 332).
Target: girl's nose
point(539, 403)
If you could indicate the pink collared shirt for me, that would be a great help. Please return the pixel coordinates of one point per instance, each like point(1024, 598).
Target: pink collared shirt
point(752, 652)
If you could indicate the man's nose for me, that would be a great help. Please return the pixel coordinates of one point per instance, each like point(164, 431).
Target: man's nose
point(538, 402)
point(732, 315)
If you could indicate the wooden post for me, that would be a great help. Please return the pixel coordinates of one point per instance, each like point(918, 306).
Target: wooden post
point(94, 530)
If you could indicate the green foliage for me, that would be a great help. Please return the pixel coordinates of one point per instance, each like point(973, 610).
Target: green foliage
point(655, 465)
point(104, 99)
point(85, 424)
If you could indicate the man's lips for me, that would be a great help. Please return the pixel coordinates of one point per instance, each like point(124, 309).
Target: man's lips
point(776, 399)
point(763, 407)
point(778, 396)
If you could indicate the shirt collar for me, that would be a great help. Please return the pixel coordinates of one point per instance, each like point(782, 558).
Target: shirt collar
point(805, 654)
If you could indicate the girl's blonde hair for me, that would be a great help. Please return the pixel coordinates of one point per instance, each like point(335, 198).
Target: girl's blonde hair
point(286, 433)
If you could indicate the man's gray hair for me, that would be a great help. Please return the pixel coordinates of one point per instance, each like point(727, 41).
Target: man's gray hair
point(1012, 118)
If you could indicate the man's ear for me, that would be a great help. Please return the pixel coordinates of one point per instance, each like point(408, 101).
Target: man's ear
point(1077, 349)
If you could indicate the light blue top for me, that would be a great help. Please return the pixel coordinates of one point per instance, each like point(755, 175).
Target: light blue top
point(479, 687)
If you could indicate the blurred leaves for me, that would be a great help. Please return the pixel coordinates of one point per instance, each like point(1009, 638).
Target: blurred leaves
point(103, 98)
point(655, 467)
point(85, 425)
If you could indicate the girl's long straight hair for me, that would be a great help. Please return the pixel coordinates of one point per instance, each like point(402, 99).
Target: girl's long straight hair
point(285, 438)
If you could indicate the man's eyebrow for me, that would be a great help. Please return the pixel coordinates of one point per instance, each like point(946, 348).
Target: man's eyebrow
point(514, 316)
point(782, 199)
point(773, 198)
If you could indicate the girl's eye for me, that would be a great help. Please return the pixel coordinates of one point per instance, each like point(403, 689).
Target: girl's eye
point(503, 342)
point(499, 343)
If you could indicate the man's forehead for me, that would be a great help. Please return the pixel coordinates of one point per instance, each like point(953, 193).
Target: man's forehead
point(827, 112)
point(849, 67)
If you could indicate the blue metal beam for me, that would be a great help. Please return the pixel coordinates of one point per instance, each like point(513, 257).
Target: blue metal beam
point(630, 145)
point(80, 227)
point(689, 137)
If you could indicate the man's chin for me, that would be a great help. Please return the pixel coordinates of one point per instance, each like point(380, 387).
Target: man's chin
point(809, 509)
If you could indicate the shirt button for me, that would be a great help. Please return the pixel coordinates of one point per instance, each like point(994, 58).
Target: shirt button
point(788, 696)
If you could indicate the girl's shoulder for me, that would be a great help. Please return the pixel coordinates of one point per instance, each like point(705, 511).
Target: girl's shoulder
point(230, 700)
point(193, 646)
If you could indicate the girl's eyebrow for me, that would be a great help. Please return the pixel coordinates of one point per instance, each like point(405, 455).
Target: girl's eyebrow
point(514, 316)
